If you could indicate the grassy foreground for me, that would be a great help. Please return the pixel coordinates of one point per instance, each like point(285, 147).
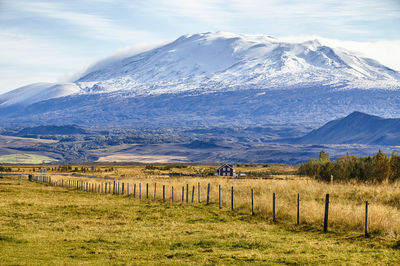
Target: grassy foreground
point(40, 224)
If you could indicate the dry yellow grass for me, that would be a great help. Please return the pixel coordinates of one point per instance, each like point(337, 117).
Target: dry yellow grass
point(347, 201)
point(45, 225)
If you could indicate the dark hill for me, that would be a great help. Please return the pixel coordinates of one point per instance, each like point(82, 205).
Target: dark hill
point(197, 144)
point(356, 128)
point(52, 130)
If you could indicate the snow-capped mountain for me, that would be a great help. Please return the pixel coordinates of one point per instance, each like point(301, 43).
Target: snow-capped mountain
point(222, 61)
point(214, 78)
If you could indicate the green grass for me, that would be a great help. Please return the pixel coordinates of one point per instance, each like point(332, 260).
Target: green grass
point(40, 224)
point(26, 159)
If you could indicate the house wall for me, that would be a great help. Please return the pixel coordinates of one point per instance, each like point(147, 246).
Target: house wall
point(225, 171)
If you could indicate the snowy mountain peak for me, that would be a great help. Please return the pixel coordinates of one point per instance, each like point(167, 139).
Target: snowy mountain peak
point(218, 62)
point(226, 61)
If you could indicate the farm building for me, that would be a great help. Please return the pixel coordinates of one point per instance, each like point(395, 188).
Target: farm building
point(226, 170)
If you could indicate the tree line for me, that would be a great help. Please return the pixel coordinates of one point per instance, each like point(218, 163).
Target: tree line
point(5, 169)
point(379, 168)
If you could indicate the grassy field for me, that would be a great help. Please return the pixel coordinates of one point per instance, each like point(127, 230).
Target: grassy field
point(347, 200)
point(40, 224)
point(25, 159)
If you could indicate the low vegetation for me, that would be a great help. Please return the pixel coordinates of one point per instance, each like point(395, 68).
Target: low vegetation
point(373, 169)
point(41, 224)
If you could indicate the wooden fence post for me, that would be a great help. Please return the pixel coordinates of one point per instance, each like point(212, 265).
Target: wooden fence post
point(155, 191)
point(183, 193)
point(113, 188)
point(326, 213)
point(134, 190)
point(198, 191)
point(219, 197)
point(147, 190)
point(273, 207)
point(163, 193)
point(118, 188)
point(232, 198)
point(140, 190)
point(366, 219)
point(187, 193)
point(123, 188)
point(208, 193)
point(127, 189)
point(193, 194)
point(252, 202)
point(298, 209)
point(172, 194)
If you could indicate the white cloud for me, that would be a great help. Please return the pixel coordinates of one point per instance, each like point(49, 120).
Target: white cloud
point(95, 26)
point(26, 59)
point(310, 9)
point(212, 12)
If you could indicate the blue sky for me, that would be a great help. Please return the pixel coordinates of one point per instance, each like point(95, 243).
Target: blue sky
point(49, 41)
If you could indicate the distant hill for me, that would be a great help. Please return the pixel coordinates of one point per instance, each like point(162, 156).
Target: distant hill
point(356, 128)
point(198, 144)
point(52, 130)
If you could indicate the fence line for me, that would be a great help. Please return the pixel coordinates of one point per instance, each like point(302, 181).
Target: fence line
point(105, 187)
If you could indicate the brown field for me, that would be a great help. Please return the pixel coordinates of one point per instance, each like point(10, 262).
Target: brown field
point(347, 200)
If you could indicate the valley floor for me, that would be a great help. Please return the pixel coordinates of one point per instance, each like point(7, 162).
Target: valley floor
point(40, 224)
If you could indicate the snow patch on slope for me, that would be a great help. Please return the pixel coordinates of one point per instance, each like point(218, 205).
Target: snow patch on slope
point(37, 92)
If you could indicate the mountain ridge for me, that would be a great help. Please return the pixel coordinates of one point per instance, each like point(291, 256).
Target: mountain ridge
point(356, 128)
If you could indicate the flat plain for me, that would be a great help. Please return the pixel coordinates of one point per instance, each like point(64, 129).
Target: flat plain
point(43, 224)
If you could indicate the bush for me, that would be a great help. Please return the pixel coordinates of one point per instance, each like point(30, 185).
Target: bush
point(377, 169)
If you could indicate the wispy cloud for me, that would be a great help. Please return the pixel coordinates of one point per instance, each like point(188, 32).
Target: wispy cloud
point(27, 59)
point(91, 25)
point(211, 12)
